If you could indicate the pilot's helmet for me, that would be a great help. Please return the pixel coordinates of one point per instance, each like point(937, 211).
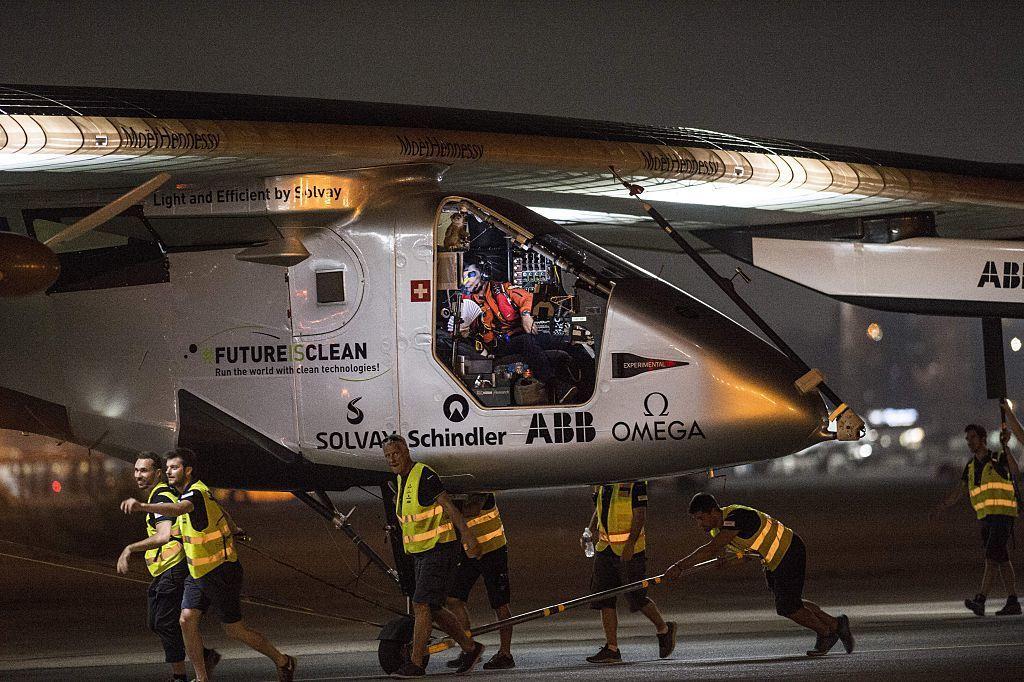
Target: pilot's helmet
point(474, 275)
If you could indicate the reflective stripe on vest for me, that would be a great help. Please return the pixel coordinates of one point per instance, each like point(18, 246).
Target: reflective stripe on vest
point(771, 541)
point(422, 527)
point(169, 554)
point(205, 549)
point(620, 520)
point(993, 495)
point(488, 530)
point(433, 511)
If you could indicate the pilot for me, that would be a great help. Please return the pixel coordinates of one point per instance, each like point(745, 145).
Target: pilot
point(215, 574)
point(428, 519)
point(482, 517)
point(165, 559)
point(738, 529)
point(505, 326)
point(988, 479)
point(618, 522)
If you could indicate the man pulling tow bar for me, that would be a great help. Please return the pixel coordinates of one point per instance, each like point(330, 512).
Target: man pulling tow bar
point(736, 528)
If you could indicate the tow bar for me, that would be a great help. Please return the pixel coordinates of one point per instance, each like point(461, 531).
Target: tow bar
point(396, 636)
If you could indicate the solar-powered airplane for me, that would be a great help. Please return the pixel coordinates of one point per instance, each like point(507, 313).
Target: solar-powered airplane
point(276, 283)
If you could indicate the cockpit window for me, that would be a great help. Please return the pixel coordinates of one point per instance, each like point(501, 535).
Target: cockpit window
point(516, 322)
point(588, 256)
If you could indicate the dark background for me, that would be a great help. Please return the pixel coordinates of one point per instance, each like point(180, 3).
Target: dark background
point(937, 78)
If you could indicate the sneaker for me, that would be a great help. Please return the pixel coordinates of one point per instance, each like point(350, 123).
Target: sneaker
point(470, 658)
point(605, 656)
point(845, 636)
point(667, 641)
point(286, 672)
point(824, 644)
point(211, 657)
point(1012, 607)
point(409, 669)
point(977, 605)
point(457, 661)
point(500, 661)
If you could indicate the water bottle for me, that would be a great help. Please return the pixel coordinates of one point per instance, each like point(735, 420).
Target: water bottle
point(588, 543)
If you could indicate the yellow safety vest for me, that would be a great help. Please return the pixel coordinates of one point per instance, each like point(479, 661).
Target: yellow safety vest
point(620, 520)
point(171, 553)
point(488, 530)
point(206, 548)
point(993, 495)
point(771, 541)
point(422, 527)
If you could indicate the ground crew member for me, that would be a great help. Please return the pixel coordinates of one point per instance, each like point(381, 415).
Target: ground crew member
point(481, 513)
point(428, 519)
point(215, 574)
point(736, 529)
point(618, 523)
point(988, 479)
point(165, 559)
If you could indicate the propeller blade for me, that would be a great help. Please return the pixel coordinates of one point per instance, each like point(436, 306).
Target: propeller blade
point(111, 210)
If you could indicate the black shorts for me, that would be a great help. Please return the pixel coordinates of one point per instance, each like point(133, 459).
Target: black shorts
point(787, 580)
point(996, 530)
point(164, 600)
point(434, 573)
point(220, 589)
point(610, 573)
point(493, 566)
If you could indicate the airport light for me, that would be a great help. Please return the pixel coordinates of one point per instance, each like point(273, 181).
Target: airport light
point(55, 486)
point(911, 439)
point(1015, 344)
point(895, 417)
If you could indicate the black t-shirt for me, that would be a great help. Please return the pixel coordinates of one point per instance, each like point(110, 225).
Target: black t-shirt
point(430, 487)
point(998, 461)
point(744, 521)
point(639, 498)
point(161, 497)
point(197, 517)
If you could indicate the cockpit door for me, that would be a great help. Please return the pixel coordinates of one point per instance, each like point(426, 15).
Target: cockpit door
point(342, 317)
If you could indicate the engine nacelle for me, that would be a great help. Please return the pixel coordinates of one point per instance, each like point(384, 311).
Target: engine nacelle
point(26, 266)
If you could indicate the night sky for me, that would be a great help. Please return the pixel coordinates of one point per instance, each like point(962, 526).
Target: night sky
point(929, 77)
point(932, 78)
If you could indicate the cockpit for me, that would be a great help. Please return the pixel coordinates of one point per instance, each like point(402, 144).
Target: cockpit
point(520, 305)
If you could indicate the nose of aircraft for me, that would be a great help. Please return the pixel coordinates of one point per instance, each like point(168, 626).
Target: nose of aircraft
point(741, 387)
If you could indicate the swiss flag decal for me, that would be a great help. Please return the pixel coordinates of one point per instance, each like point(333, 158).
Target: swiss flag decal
point(420, 290)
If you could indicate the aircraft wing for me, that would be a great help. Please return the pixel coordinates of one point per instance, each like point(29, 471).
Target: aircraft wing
point(738, 191)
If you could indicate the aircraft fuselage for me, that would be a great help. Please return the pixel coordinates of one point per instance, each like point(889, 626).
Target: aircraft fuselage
point(318, 380)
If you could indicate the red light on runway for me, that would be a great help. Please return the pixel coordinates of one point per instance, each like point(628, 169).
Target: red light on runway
point(56, 486)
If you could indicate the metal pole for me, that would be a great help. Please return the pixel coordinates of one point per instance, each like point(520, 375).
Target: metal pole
point(726, 286)
point(456, 310)
point(581, 601)
point(329, 514)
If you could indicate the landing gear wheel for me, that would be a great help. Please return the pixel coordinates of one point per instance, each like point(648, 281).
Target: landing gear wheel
point(396, 644)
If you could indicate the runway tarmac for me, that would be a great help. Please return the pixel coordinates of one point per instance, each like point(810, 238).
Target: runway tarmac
point(873, 553)
point(936, 641)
